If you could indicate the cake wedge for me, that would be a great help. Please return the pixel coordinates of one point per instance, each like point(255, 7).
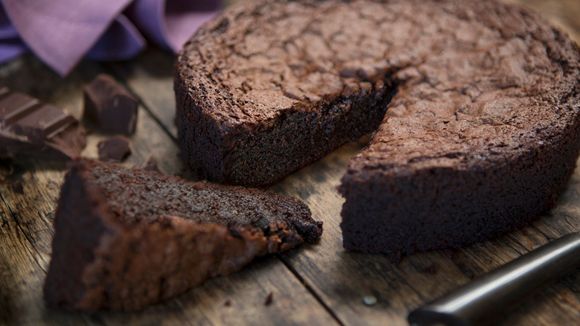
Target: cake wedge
point(128, 238)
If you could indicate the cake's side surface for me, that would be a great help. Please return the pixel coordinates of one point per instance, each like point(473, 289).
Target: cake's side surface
point(479, 91)
point(121, 245)
point(200, 138)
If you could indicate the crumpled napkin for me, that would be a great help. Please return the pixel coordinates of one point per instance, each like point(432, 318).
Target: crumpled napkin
point(62, 32)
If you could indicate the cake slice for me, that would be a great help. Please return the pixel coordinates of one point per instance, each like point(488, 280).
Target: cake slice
point(128, 238)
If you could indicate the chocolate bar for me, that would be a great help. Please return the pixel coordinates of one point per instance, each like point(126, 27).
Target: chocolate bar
point(110, 106)
point(30, 128)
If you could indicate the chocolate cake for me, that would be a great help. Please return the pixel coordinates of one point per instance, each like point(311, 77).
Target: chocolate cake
point(474, 107)
point(126, 238)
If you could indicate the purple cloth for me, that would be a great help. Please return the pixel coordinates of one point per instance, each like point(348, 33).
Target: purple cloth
point(171, 23)
point(62, 32)
point(10, 44)
point(121, 41)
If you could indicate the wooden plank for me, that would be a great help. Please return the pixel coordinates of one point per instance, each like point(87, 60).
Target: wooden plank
point(342, 280)
point(27, 203)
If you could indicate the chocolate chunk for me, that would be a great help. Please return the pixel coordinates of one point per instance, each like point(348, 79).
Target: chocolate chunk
point(110, 106)
point(32, 129)
point(114, 149)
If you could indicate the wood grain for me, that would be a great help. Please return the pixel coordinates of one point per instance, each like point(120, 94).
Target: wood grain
point(319, 284)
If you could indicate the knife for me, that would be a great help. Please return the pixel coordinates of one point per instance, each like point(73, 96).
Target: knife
point(487, 298)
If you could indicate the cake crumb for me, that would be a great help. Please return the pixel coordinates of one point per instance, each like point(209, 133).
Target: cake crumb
point(370, 300)
point(269, 299)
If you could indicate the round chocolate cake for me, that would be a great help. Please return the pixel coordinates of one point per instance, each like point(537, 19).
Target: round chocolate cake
point(474, 105)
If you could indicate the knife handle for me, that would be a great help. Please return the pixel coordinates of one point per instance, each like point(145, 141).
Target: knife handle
point(486, 298)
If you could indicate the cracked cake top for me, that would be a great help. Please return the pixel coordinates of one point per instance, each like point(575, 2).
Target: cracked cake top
point(474, 80)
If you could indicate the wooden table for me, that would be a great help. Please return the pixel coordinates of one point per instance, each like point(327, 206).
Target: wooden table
point(318, 285)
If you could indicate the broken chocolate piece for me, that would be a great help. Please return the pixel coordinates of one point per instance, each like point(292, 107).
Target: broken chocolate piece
point(115, 149)
point(32, 129)
point(110, 106)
